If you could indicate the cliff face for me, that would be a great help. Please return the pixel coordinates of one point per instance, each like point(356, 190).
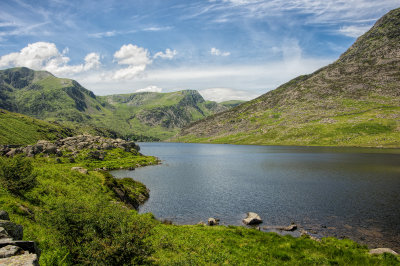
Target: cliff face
point(353, 101)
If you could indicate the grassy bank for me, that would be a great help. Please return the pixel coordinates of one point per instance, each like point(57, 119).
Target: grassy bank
point(84, 218)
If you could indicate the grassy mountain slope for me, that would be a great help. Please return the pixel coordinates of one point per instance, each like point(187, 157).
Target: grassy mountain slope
point(232, 103)
point(17, 129)
point(160, 115)
point(354, 101)
point(44, 96)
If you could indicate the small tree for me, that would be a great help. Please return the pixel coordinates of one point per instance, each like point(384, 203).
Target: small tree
point(16, 174)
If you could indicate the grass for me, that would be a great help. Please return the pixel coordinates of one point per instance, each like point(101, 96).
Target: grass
point(19, 129)
point(366, 125)
point(233, 245)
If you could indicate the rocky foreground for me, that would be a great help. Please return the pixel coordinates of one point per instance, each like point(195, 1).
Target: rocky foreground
point(13, 250)
point(70, 146)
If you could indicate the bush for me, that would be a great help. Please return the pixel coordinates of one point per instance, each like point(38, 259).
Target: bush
point(16, 174)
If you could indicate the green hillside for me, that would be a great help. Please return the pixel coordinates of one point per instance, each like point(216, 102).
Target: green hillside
point(232, 103)
point(17, 129)
point(354, 101)
point(159, 115)
point(137, 115)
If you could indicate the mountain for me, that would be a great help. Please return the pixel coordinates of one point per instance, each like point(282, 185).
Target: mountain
point(354, 101)
point(18, 129)
point(139, 115)
point(157, 114)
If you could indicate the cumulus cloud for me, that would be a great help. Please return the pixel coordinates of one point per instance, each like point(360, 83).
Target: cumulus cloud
point(151, 88)
point(45, 56)
point(217, 52)
point(225, 94)
point(169, 54)
point(354, 31)
point(136, 58)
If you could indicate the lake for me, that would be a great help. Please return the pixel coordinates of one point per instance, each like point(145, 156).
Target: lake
point(341, 192)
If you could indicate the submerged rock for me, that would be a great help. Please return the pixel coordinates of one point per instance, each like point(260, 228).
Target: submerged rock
point(252, 218)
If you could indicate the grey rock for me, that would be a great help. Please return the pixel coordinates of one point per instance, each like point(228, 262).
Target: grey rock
point(4, 215)
point(9, 251)
point(3, 233)
point(21, 260)
point(252, 218)
point(15, 231)
point(80, 170)
point(212, 221)
point(377, 251)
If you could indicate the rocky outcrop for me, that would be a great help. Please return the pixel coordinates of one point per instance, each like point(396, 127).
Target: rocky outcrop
point(72, 144)
point(13, 250)
point(252, 218)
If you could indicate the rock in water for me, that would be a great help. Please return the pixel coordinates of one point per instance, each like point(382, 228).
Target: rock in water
point(378, 251)
point(212, 221)
point(252, 218)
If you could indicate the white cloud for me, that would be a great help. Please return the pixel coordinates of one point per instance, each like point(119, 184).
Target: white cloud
point(45, 56)
point(217, 52)
point(151, 88)
point(354, 31)
point(255, 79)
point(169, 54)
point(137, 59)
point(225, 94)
point(132, 55)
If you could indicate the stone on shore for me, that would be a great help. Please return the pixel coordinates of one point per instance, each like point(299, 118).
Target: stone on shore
point(252, 218)
point(378, 251)
point(213, 221)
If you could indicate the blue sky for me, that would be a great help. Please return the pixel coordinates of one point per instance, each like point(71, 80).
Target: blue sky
point(226, 49)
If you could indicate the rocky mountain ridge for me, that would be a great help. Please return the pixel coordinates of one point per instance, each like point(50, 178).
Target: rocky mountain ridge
point(354, 101)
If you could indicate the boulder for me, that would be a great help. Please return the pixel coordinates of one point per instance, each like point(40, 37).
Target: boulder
point(80, 170)
point(378, 251)
point(252, 218)
point(25, 260)
point(11, 153)
point(4, 215)
point(4, 234)
point(13, 230)
point(9, 251)
point(213, 221)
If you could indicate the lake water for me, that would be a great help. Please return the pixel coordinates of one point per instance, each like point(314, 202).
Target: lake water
point(342, 192)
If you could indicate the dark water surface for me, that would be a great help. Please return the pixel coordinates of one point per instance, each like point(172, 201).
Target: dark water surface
point(342, 192)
